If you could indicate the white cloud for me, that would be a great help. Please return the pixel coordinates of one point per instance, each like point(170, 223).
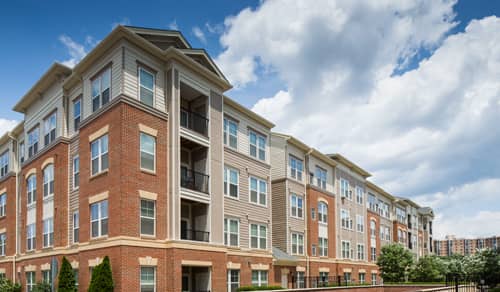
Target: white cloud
point(217, 28)
point(198, 33)
point(76, 51)
point(421, 132)
point(173, 25)
point(7, 125)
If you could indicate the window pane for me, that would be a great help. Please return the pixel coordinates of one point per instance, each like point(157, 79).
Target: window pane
point(146, 96)
point(146, 79)
point(147, 226)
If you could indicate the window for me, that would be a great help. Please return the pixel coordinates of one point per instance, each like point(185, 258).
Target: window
point(77, 276)
point(233, 280)
point(148, 279)
point(101, 86)
point(231, 182)
point(347, 277)
point(373, 254)
point(346, 249)
point(322, 213)
point(344, 189)
point(346, 220)
point(359, 195)
point(231, 232)
point(401, 215)
point(296, 205)
point(323, 279)
point(320, 177)
point(300, 279)
point(49, 129)
point(373, 228)
point(21, 152)
point(99, 154)
point(313, 213)
point(257, 145)
point(323, 246)
point(4, 163)
point(48, 181)
point(33, 142)
point(31, 236)
point(296, 168)
point(3, 241)
point(313, 249)
point(361, 252)
point(148, 152)
point(3, 204)
point(258, 191)
point(387, 233)
point(77, 113)
point(146, 86)
point(383, 209)
point(46, 277)
point(360, 223)
point(31, 187)
point(148, 217)
point(230, 133)
point(362, 278)
point(30, 281)
point(76, 227)
point(374, 279)
point(297, 243)
point(48, 232)
point(99, 219)
point(258, 236)
point(259, 278)
point(76, 172)
point(372, 202)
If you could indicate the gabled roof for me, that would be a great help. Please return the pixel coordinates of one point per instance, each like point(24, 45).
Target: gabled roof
point(55, 72)
point(354, 167)
point(161, 37)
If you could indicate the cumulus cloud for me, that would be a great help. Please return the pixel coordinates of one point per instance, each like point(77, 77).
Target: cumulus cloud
point(199, 34)
point(7, 125)
point(76, 51)
point(422, 131)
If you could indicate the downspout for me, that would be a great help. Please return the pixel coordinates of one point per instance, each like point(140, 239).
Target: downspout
point(308, 261)
point(17, 207)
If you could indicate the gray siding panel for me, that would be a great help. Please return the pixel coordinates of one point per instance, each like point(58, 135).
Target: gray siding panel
point(280, 215)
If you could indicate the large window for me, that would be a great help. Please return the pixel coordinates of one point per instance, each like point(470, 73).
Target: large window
point(362, 278)
point(401, 215)
point(360, 193)
point(33, 137)
point(374, 279)
point(30, 281)
point(233, 280)
point(4, 163)
point(148, 152)
point(231, 232)
point(21, 152)
point(48, 232)
point(372, 202)
point(259, 278)
point(148, 217)
point(258, 236)
point(31, 236)
point(46, 277)
point(77, 113)
point(320, 177)
point(323, 246)
point(146, 86)
point(99, 219)
point(361, 252)
point(346, 249)
point(373, 228)
point(148, 279)
point(346, 221)
point(373, 254)
point(360, 223)
point(344, 189)
point(48, 181)
point(300, 279)
point(49, 129)
point(3, 204)
point(322, 213)
point(257, 145)
point(231, 182)
point(99, 154)
point(31, 188)
point(258, 191)
point(3, 240)
point(296, 206)
point(296, 168)
point(230, 133)
point(76, 227)
point(76, 172)
point(101, 87)
point(297, 243)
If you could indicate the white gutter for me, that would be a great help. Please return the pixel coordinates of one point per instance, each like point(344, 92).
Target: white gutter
point(17, 208)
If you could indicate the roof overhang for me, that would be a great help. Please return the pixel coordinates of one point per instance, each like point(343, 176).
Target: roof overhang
point(351, 165)
point(252, 114)
point(378, 189)
point(56, 72)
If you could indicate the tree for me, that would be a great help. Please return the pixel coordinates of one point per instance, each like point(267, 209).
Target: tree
point(7, 286)
point(484, 265)
point(66, 278)
point(394, 262)
point(102, 278)
point(429, 269)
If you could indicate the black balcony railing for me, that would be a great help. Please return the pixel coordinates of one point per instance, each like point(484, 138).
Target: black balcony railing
point(196, 235)
point(194, 121)
point(193, 180)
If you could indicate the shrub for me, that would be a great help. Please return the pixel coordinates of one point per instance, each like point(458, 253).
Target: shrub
point(102, 278)
point(7, 286)
point(66, 278)
point(259, 288)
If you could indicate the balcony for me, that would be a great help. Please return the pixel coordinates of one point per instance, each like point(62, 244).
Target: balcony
point(194, 167)
point(196, 279)
point(194, 180)
point(194, 111)
point(194, 122)
point(196, 235)
point(194, 221)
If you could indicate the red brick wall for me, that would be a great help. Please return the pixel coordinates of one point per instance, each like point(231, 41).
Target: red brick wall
point(312, 197)
point(376, 217)
point(9, 220)
point(246, 270)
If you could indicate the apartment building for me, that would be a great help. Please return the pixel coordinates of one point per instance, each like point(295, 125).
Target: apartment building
point(137, 154)
point(452, 245)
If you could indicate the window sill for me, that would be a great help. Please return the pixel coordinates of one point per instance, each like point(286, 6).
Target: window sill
point(232, 198)
point(97, 239)
point(258, 205)
point(296, 217)
point(147, 236)
point(104, 172)
point(48, 248)
point(148, 171)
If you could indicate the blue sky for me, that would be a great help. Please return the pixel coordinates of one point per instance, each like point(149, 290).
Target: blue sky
point(386, 86)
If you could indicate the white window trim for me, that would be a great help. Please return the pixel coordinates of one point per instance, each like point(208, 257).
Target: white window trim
point(99, 155)
point(49, 195)
point(3, 204)
point(154, 277)
point(75, 102)
point(345, 254)
point(320, 170)
point(322, 248)
point(47, 128)
point(99, 220)
point(142, 150)
point(297, 161)
point(360, 218)
point(3, 243)
point(297, 236)
point(323, 214)
point(258, 236)
point(257, 148)
point(29, 191)
point(259, 180)
point(362, 251)
point(101, 89)
point(229, 282)
point(141, 216)
point(48, 232)
point(77, 157)
point(227, 133)
point(297, 198)
point(227, 234)
point(227, 171)
point(77, 214)
point(32, 238)
point(140, 85)
point(259, 280)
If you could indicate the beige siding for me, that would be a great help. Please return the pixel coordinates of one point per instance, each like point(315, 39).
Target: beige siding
point(292, 150)
point(242, 208)
point(294, 224)
point(75, 92)
point(279, 215)
point(73, 193)
point(216, 166)
point(330, 177)
point(133, 55)
point(278, 157)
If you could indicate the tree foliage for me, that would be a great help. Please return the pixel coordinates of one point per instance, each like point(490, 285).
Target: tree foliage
point(42, 287)
point(395, 263)
point(102, 278)
point(66, 278)
point(428, 269)
point(7, 286)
